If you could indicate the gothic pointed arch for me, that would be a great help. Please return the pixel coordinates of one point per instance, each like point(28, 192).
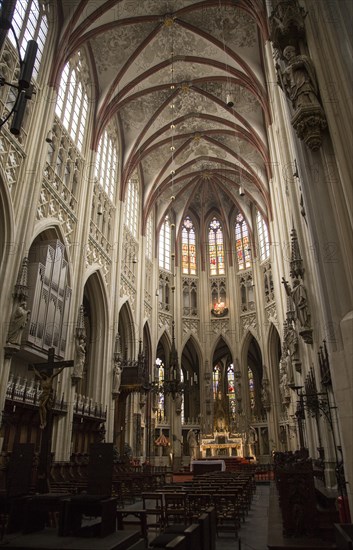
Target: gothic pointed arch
point(95, 311)
point(127, 332)
point(222, 409)
point(147, 347)
point(252, 362)
point(274, 349)
point(190, 366)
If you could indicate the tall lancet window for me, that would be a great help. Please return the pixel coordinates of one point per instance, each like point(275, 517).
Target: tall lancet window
point(30, 23)
point(231, 391)
point(242, 242)
point(132, 206)
point(107, 165)
point(188, 247)
point(165, 241)
point(217, 381)
point(160, 396)
point(72, 101)
point(251, 388)
point(216, 248)
point(264, 241)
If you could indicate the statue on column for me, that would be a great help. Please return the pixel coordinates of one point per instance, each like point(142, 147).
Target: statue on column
point(299, 79)
point(296, 72)
point(80, 356)
point(117, 368)
point(117, 377)
point(81, 349)
point(192, 442)
point(18, 321)
point(299, 296)
point(20, 314)
point(285, 391)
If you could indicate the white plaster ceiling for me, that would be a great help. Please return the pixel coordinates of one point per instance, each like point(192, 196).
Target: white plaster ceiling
point(162, 70)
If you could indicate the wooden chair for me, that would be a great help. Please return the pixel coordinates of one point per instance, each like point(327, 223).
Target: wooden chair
point(175, 508)
point(153, 503)
point(227, 512)
point(197, 504)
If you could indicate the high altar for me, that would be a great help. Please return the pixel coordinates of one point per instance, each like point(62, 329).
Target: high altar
point(222, 444)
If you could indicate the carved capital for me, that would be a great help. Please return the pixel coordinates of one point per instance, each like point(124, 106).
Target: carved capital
point(308, 122)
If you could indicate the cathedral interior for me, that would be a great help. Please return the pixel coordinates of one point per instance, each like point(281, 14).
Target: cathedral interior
point(176, 230)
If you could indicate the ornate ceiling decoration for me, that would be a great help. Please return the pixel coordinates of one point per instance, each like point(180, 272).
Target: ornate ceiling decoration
point(163, 70)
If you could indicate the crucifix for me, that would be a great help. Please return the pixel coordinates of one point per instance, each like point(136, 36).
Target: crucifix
point(45, 372)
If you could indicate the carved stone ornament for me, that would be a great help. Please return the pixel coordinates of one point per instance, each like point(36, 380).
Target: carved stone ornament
point(308, 122)
point(20, 314)
point(296, 72)
point(81, 350)
point(286, 24)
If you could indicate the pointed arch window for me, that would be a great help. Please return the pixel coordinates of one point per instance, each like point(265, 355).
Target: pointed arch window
point(188, 247)
point(106, 169)
point(160, 370)
point(242, 243)
point(132, 206)
point(251, 388)
point(264, 241)
point(72, 101)
point(231, 391)
point(30, 23)
point(217, 375)
point(216, 247)
point(165, 237)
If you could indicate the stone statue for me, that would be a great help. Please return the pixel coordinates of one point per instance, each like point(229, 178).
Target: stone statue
point(252, 440)
point(46, 398)
point(178, 403)
point(80, 356)
point(299, 80)
point(192, 442)
point(117, 370)
point(18, 321)
point(265, 396)
point(300, 300)
point(285, 391)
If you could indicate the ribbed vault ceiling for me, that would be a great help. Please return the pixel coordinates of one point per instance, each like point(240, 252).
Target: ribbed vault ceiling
point(163, 69)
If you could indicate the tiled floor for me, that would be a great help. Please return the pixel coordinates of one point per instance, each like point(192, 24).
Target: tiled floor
point(253, 533)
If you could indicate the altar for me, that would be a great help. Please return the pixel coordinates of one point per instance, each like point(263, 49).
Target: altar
point(199, 467)
point(222, 444)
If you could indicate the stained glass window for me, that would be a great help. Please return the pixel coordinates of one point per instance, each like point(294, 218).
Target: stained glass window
point(160, 379)
point(188, 247)
point(132, 205)
point(231, 390)
point(242, 242)
point(107, 165)
point(251, 388)
point(264, 241)
point(216, 381)
point(165, 245)
point(216, 248)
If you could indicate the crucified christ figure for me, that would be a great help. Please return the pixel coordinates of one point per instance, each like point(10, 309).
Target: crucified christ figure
point(46, 398)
